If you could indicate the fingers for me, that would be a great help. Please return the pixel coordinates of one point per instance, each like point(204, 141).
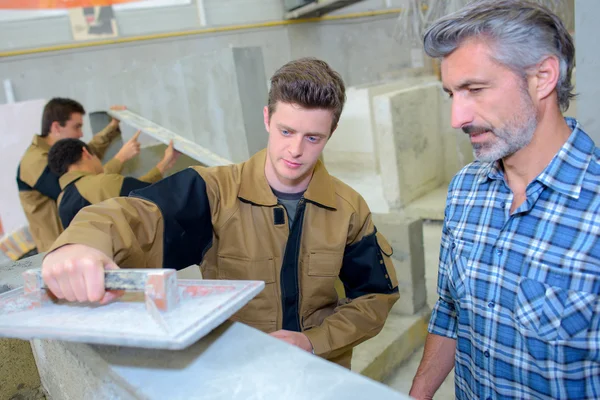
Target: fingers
point(64, 280)
point(111, 295)
point(94, 280)
point(76, 273)
point(118, 107)
point(51, 282)
point(136, 136)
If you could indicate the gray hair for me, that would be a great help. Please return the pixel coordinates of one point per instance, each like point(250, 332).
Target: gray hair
point(523, 33)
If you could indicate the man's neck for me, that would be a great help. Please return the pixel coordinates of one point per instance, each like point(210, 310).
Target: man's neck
point(288, 187)
point(49, 139)
point(81, 168)
point(525, 165)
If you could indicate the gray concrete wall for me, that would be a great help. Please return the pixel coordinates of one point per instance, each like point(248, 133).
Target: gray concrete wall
point(101, 76)
point(588, 64)
point(49, 31)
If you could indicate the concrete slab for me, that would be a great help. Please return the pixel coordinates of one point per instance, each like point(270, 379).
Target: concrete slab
point(430, 206)
point(411, 155)
point(233, 362)
point(401, 336)
point(355, 141)
point(367, 183)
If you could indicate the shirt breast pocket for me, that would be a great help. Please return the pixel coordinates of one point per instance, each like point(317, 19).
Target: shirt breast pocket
point(563, 310)
point(460, 253)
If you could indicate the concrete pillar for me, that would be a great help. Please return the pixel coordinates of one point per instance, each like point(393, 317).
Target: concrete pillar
point(587, 56)
point(405, 234)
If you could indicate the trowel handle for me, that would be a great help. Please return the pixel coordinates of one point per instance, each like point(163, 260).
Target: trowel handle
point(114, 279)
point(159, 285)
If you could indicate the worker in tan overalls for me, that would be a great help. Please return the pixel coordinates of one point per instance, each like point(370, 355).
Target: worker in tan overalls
point(38, 186)
point(83, 180)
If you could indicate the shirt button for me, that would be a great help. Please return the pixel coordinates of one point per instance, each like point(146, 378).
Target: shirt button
point(486, 354)
point(491, 304)
point(453, 245)
point(503, 205)
point(499, 252)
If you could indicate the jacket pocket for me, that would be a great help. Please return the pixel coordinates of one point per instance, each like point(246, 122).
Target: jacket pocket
point(325, 263)
point(318, 288)
point(261, 311)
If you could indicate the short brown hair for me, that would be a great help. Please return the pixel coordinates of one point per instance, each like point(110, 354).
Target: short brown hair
point(59, 110)
point(309, 83)
point(65, 153)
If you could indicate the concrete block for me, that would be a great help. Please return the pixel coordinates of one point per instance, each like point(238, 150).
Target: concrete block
point(411, 154)
point(74, 371)
point(431, 206)
point(405, 234)
point(233, 362)
point(401, 336)
point(458, 151)
point(355, 141)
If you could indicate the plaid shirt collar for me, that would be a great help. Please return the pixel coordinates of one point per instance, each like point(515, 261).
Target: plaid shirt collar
point(571, 160)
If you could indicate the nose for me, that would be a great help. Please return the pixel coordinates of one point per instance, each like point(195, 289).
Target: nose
point(462, 114)
point(296, 147)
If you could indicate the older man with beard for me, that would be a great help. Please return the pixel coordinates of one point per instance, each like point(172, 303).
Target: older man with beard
point(518, 314)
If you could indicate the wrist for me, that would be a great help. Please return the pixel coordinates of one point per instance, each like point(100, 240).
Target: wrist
point(161, 166)
point(120, 157)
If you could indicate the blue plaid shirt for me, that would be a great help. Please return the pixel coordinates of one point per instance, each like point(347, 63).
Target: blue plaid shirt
point(521, 292)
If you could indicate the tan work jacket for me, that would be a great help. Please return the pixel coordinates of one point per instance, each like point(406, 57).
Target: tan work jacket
point(228, 220)
point(39, 187)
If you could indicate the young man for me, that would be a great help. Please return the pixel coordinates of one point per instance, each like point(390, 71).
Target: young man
point(518, 314)
point(83, 181)
point(38, 186)
point(278, 217)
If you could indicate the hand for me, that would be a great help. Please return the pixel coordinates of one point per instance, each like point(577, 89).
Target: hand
point(169, 159)
point(75, 272)
point(297, 339)
point(114, 123)
point(130, 149)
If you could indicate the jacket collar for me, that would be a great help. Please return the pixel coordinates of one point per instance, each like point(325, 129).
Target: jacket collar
point(254, 187)
point(39, 141)
point(71, 177)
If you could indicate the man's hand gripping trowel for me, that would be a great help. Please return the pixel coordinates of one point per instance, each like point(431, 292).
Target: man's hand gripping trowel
point(157, 311)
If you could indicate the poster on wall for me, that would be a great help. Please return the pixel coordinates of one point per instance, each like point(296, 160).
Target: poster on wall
point(88, 23)
point(49, 4)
